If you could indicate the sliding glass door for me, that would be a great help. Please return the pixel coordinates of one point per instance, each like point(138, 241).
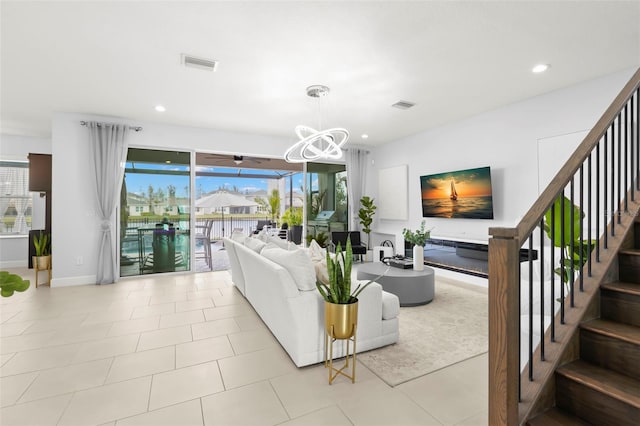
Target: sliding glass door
point(155, 212)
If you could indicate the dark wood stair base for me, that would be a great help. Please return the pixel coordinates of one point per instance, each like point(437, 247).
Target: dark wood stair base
point(620, 301)
point(629, 260)
point(557, 417)
point(611, 345)
point(601, 396)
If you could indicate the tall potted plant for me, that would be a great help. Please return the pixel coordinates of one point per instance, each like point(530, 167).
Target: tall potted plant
point(293, 217)
point(418, 239)
point(365, 214)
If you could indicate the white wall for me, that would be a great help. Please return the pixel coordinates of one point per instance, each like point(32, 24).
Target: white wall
point(74, 218)
point(505, 139)
point(14, 250)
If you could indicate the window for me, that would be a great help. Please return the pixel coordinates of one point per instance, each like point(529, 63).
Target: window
point(15, 199)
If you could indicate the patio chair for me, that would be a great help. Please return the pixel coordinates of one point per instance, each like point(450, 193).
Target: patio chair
point(203, 236)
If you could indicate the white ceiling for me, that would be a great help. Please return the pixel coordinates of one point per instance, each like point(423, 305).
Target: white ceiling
point(453, 59)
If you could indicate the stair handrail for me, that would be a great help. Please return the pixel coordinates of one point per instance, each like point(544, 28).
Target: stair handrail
point(504, 264)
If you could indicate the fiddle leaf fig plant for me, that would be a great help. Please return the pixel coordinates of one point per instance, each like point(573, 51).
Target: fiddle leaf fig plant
point(365, 214)
point(576, 252)
point(9, 283)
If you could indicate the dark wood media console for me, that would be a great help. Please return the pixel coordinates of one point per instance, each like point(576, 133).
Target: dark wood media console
point(461, 256)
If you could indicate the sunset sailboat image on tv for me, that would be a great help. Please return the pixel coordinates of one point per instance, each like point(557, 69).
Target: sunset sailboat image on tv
point(453, 194)
point(458, 194)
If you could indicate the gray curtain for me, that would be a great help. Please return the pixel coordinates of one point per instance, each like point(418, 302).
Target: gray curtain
point(109, 153)
point(356, 180)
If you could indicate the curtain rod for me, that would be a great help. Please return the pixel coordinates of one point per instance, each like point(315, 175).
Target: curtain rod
point(135, 128)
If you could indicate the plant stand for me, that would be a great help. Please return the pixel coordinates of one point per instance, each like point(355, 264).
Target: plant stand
point(328, 356)
point(42, 266)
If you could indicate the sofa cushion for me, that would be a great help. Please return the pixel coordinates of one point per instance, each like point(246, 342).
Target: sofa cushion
point(238, 237)
point(278, 241)
point(254, 244)
point(390, 305)
point(297, 263)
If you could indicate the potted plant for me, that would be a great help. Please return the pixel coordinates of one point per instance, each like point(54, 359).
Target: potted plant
point(42, 245)
point(293, 217)
point(418, 239)
point(341, 304)
point(321, 238)
point(10, 283)
point(576, 252)
point(365, 214)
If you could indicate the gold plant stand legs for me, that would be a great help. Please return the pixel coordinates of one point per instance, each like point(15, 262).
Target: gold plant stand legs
point(328, 357)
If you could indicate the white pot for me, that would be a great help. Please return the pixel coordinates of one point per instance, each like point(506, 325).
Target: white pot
point(418, 258)
point(369, 256)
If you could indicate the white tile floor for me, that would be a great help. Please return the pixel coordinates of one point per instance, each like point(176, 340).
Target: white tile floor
point(189, 350)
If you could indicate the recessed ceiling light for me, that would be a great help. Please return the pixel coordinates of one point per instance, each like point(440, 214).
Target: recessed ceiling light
point(168, 161)
point(365, 136)
point(160, 108)
point(540, 68)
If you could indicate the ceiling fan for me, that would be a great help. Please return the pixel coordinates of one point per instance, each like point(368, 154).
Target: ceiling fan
point(229, 160)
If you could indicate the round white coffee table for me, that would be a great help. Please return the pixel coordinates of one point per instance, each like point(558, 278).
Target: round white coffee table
point(413, 288)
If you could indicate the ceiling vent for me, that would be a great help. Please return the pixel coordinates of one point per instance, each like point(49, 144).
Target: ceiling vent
point(403, 105)
point(200, 63)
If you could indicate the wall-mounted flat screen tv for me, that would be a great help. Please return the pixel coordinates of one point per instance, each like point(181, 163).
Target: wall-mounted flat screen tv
point(459, 194)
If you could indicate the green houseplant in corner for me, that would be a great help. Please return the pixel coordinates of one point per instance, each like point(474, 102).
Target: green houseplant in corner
point(365, 214)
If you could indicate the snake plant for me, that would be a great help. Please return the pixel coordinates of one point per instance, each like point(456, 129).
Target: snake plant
point(339, 269)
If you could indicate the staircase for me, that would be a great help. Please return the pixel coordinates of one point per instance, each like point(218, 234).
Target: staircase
point(602, 387)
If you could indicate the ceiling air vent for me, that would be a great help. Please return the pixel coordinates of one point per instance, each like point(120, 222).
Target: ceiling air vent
point(201, 63)
point(403, 105)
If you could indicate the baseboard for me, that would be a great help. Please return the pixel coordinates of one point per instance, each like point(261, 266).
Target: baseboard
point(459, 277)
point(73, 281)
point(13, 264)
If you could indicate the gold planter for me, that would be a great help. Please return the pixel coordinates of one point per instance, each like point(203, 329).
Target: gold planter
point(340, 320)
point(41, 263)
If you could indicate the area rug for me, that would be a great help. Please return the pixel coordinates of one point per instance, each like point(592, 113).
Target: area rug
point(450, 329)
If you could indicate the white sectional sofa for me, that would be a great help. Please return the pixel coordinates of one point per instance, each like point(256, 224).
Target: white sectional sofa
point(281, 288)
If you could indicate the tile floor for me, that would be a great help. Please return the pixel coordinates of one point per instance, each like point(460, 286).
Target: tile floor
point(189, 350)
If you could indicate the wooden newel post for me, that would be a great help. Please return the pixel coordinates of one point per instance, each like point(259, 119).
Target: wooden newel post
point(504, 327)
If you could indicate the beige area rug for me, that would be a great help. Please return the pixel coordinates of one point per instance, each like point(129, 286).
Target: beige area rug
point(450, 329)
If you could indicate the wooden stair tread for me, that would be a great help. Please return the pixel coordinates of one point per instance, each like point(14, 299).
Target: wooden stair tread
point(614, 329)
point(556, 417)
point(615, 385)
point(622, 287)
point(630, 252)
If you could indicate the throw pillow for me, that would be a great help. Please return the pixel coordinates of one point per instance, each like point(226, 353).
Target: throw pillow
point(315, 252)
point(278, 241)
point(322, 274)
point(254, 244)
point(297, 263)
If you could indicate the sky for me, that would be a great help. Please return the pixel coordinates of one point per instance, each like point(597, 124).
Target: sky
point(139, 183)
